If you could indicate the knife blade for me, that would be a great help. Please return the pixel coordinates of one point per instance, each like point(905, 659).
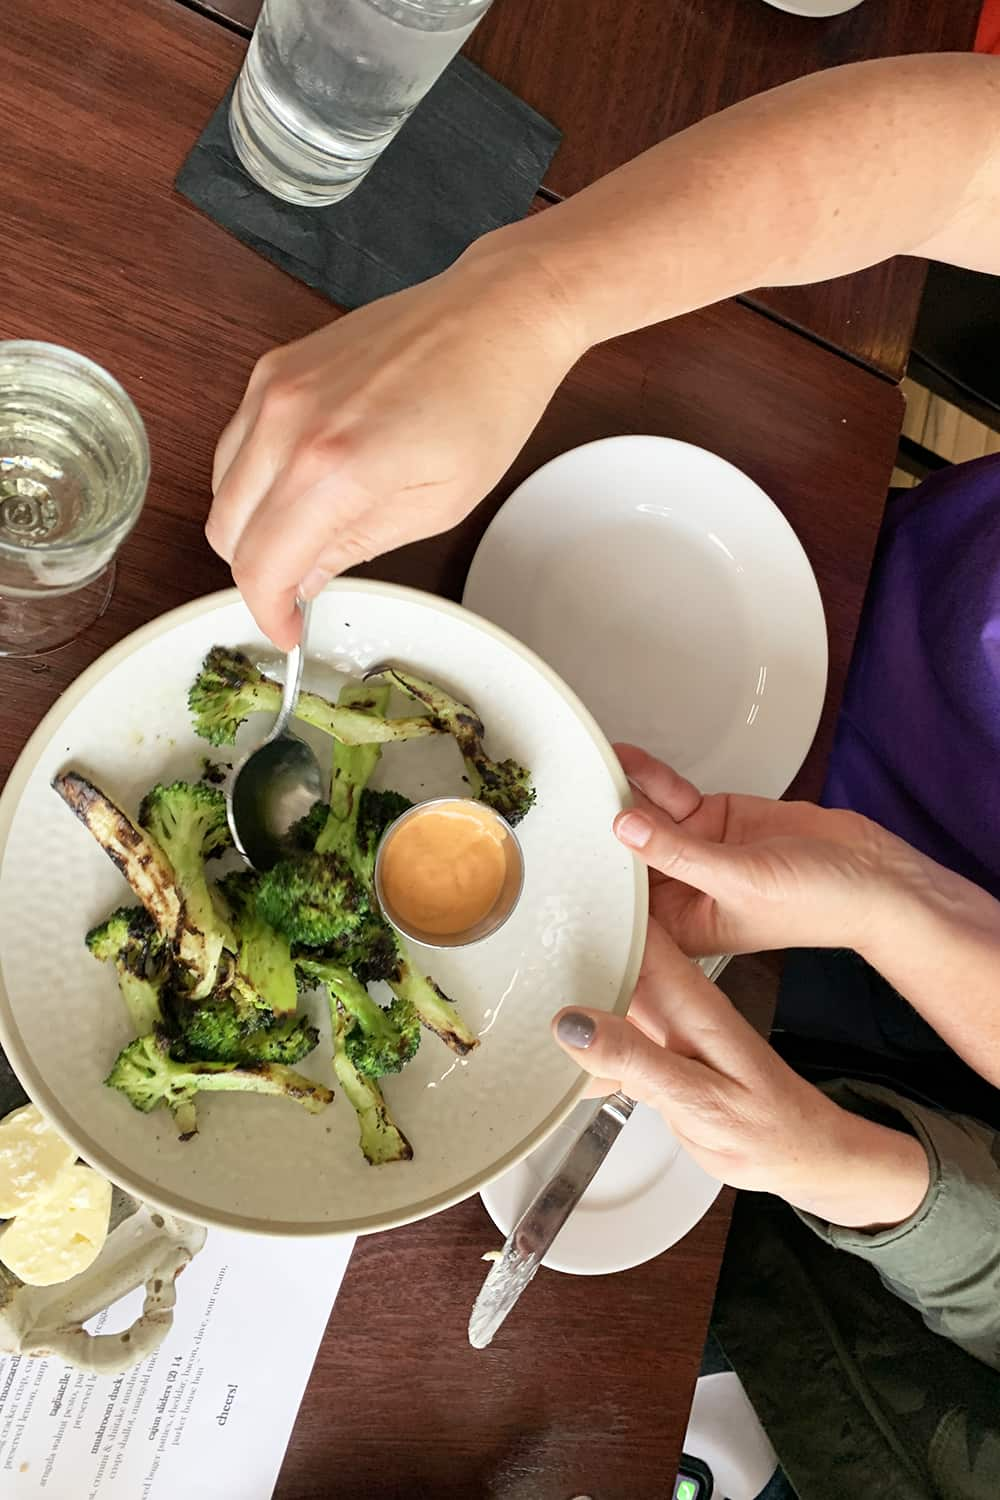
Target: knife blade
point(532, 1235)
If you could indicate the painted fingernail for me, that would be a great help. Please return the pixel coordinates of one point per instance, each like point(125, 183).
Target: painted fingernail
point(314, 583)
point(635, 830)
point(575, 1029)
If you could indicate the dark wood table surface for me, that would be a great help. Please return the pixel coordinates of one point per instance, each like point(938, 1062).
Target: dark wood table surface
point(617, 76)
point(588, 1386)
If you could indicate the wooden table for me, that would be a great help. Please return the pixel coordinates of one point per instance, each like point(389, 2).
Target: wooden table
point(617, 76)
point(587, 1388)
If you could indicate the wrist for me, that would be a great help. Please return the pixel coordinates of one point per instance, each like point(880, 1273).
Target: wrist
point(871, 1177)
point(509, 265)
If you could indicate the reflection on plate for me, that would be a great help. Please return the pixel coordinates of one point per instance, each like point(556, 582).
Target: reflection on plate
point(646, 1196)
point(667, 589)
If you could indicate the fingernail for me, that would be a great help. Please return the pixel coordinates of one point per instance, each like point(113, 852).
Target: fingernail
point(575, 1029)
point(219, 544)
point(635, 830)
point(314, 583)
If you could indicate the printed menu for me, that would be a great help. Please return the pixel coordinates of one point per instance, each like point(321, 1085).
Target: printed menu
point(208, 1414)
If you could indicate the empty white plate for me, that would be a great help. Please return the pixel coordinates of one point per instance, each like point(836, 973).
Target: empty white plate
point(646, 1196)
point(671, 593)
point(816, 8)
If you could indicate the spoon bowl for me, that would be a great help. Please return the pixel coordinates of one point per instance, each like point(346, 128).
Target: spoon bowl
point(276, 786)
point(279, 782)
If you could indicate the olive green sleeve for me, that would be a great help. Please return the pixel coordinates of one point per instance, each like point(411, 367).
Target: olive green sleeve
point(945, 1259)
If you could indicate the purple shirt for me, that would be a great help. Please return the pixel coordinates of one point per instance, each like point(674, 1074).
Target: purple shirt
point(918, 740)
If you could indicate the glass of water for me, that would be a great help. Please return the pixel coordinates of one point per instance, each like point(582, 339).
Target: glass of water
point(326, 85)
point(74, 465)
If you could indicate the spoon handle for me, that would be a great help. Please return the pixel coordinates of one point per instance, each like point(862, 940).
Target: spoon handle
point(293, 674)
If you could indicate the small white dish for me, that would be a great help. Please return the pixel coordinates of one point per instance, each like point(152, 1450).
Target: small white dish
point(815, 8)
point(673, 596)
point(646, 1196)
point(262, 1164)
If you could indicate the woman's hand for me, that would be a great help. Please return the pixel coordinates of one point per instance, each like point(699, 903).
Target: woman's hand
point(735, 874)
point(387, 426)
point(736, 1106)
point(732, 874)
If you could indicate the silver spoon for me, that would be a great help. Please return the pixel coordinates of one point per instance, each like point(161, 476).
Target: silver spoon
point(277, 783)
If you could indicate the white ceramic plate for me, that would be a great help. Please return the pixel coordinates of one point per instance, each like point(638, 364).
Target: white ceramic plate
point(816, 8)
point(264, 1164)
point(646, 1196)
point(673, 596)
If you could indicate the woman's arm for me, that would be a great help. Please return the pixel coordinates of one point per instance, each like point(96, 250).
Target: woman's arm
point(942, 1259)
point(740, 874)
point(911, 1190)
point(392, 423)
point(815, 179)
point(737, 1107)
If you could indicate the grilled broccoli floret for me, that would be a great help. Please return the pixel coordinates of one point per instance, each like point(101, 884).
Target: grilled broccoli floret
point(229, 688)
point(302, 835)
point(132, 942)
point(503, 785)
point(378, 811)
point(313, 899)
point(148, 1076)
point(264, 957)
point(380, 1137)
point(221, 1031)
point(371, 954)
point(377, 1041)
point(188, 821)
point(124, 937)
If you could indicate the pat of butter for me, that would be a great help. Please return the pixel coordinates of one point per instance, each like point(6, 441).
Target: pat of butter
point(61, 1234)
point(33, 1157)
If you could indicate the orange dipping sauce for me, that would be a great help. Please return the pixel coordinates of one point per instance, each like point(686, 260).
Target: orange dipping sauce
point(444, 868)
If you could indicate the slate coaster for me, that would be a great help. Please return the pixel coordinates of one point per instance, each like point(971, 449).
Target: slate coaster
point(468, 160)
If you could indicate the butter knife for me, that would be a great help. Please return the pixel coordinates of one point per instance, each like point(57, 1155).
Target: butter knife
point(532, 1235)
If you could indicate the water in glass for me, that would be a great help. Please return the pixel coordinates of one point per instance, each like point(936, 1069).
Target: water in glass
point(74, 464)
point(327, 84)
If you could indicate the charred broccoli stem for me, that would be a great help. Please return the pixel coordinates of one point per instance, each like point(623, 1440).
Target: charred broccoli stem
point(353, 766)
point(139, 858)
point(380, 1138)
point(148, 1076)
point(229, 688)
point(432, 1005)
point(503, 785)
point(357, 820)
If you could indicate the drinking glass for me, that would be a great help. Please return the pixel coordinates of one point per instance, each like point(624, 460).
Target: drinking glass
point(326, 85)
point(74, 465)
